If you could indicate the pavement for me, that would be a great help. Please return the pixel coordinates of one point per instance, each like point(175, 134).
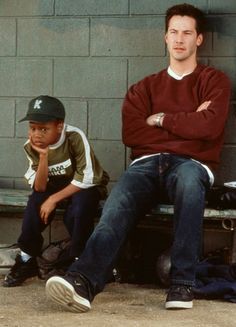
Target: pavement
point(120, 304)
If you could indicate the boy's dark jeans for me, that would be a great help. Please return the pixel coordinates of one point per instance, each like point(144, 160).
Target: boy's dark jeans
point(81, 209)
point(135, 193)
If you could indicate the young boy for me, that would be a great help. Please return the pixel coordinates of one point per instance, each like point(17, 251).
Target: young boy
point(62, 166)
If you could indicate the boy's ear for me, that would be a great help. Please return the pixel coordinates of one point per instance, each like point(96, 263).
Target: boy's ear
point(60, 126)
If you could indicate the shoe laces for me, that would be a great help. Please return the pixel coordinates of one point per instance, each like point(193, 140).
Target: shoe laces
point(180, 289)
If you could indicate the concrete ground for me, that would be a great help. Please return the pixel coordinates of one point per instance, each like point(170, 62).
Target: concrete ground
point(128, 305)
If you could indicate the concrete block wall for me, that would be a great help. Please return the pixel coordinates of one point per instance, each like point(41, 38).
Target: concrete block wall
point(87, 53)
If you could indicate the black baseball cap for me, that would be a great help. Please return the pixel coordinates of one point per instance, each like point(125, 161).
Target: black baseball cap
point(44, 108)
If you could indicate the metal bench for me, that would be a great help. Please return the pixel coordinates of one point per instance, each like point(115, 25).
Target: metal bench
point(13, 201)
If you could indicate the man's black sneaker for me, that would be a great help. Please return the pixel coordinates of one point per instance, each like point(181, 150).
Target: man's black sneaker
point(72, 291)
point(179, 297)
point(20, 271)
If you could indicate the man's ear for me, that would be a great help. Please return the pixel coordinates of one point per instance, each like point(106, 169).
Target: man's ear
point(199, 39)
point(165, 37)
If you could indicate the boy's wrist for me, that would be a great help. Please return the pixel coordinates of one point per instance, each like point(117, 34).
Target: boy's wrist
point(43, 155)
point(53, 199)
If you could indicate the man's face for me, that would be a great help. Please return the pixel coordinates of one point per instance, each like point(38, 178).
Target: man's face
point(182, 39)
point(44, 134)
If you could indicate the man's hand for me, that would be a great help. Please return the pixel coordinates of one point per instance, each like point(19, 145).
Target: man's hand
point(46, 208)
point(152, 120)
point(203, 106)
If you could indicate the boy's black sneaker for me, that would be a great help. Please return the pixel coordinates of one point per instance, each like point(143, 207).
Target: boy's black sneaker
point(20, 271)
point(179, 297)
point(72, 291)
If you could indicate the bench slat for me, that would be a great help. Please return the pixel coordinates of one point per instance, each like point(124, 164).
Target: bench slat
point(166, 209)
point(13, 197)
point(13, 200)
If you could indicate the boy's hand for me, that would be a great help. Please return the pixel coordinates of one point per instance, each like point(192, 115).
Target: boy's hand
point(46, 208)
point(43, 151)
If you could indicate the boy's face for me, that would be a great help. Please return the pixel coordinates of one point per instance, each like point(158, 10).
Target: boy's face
point(182, 39)
point(44, 134)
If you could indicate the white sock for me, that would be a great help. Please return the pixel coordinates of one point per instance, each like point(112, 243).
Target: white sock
point(25, 256)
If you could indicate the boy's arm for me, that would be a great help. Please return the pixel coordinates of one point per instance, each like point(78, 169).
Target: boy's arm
point(50, 204)
point(41, 177)
point(40, 185)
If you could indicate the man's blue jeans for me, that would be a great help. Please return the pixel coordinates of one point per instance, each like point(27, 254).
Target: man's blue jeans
point(137, 191)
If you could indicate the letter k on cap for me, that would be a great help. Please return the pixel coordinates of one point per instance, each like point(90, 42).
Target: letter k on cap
point(37, 104)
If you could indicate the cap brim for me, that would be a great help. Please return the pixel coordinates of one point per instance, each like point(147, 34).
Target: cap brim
point(38, 118)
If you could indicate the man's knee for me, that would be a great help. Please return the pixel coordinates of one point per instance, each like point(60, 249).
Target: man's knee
point(191, 174)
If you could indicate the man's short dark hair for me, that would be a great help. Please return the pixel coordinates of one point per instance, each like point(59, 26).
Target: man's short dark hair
point(187, 10)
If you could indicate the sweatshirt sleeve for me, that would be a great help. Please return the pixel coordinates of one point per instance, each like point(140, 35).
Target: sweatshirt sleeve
point(207, 124)
point(135, 110)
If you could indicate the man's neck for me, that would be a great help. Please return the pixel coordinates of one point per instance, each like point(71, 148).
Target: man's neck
point(182, 68)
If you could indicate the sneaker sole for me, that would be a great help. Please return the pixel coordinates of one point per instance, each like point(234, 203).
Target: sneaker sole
point(62, 292)
point(179, 305)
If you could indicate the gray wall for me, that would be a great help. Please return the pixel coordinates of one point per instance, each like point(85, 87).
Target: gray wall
point(87, 53)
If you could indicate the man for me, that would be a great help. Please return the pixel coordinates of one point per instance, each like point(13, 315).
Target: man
point(173, 121)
